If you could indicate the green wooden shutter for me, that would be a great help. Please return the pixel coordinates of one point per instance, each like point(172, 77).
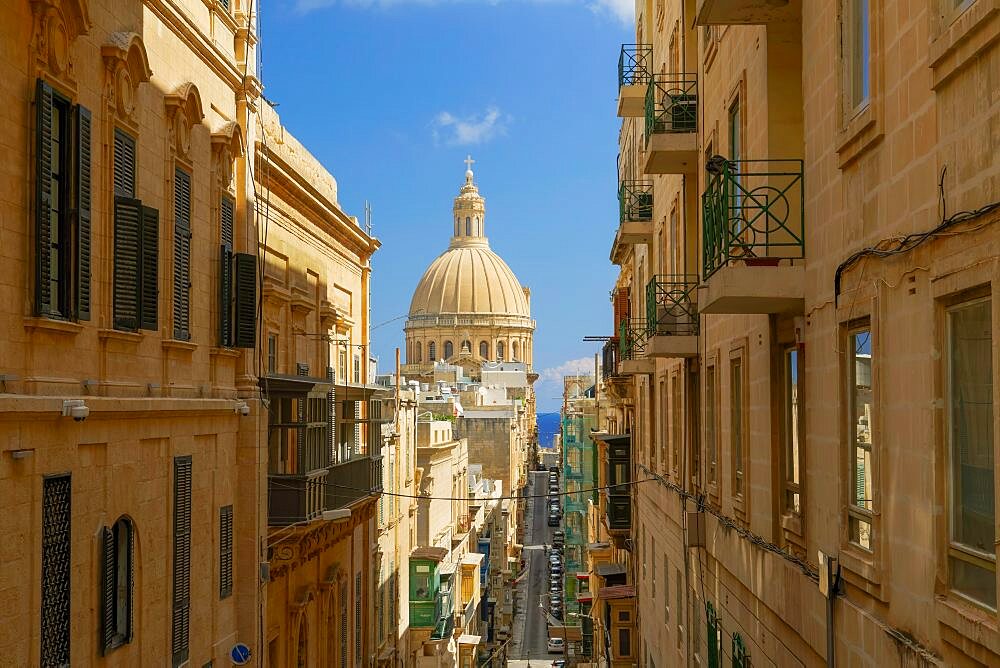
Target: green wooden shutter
point(83, 217)
point(226, 220)
point(130, 590)
point(181, 618)
point(182, 255)
point(128, 213)
point(108, 573)
point(149, 291)
point(124, 177)
point(741, 657)
point(713, 635)
point(43, 198)
point(225, 551)
point(245, 331)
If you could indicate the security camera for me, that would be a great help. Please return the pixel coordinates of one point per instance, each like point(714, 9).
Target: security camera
point(76, 409)
point(242, 408)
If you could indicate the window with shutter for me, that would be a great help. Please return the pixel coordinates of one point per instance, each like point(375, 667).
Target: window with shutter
point(182, 561)
point(116, 585)
point(357, 619)
point(182, 255)
point(62, 240)
point(226, 220)
point(225, 551)
point(149, 254)
point(245, 283)
point(127, 236)
point(55, 580)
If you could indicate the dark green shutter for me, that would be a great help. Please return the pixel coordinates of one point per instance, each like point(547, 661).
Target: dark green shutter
point(83, 217)
point(43, 198)
point(225, 551)
point(124, 177)
point(149, 290)
point(227, 217)
point(130, 586)
point(713, 635)
point(181, 617)
point(182, 255)
point(108, 573)
point(226, 220)
point(245, 331)
point(128, 213)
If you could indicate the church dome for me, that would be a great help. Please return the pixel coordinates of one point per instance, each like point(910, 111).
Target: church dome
point(469, 278)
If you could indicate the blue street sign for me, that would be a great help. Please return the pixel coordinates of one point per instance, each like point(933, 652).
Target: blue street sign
point(240, 654)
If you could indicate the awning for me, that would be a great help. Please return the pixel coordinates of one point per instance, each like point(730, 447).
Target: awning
point(613, 439)
point(617, 591)
point(447, 568)
point(467, 639)
point(472, 558)
point(605, 570)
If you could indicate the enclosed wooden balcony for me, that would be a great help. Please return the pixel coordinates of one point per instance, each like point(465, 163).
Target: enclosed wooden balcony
point(753, 216)
point(618, 495)
point(671, 110)
point(744, 12)
point(294, 498)
point(672, 316)
point(635, 218)
point(633, 76)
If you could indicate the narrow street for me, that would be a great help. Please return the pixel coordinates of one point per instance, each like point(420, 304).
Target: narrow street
point(530, 629)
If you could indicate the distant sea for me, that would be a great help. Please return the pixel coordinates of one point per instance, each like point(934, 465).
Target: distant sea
point(548, 427)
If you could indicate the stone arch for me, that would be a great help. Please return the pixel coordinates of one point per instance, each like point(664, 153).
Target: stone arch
point(515, 351)
point(418, 352)
point(484, 350)
point(500, 350)
point(449, 350)
point(184, 111)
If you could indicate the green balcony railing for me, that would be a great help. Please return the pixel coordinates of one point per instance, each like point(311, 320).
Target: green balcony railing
point(753, 211)
point(671, 308)
point(671, 104)
point(635, 201)
point(632, 338)
point(633, 64)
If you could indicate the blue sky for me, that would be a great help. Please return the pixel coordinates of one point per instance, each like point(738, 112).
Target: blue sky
point(409, 87)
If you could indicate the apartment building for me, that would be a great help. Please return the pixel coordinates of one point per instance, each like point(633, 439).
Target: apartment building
point(130, 415)
point(804, 356)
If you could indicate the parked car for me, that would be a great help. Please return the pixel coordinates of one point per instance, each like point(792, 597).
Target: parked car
point(556, 645)
point(553, 520)
point(559, 663)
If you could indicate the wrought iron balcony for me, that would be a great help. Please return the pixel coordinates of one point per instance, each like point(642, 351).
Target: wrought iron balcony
point(744, 12)
point(633, 75)
point(632, 341)
point(671, 110)
point(293, 498)
point(635, 201)
point(609, 359)
point(753, 214)
point(672, 316)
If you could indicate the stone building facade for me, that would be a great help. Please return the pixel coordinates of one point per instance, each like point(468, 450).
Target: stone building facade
point(804, 355)
point(130, 418)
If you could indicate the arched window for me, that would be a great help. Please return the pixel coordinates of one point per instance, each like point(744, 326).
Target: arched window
point(300, 651)
point(499, 350)
point(448, 350)
point(417, 352)
point(468, 226)
point(479, 230)
point(514, 351)
point(431, 351)
point(457, 224)
point(116, 584)
point(484, 350)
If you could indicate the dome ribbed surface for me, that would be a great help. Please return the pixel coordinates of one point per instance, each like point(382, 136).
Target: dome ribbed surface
point(469, 278)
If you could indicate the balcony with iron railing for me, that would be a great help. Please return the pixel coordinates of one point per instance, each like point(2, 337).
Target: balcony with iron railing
point(671, 110)
point(745, 12)
point(634, 63)
point(635, 218)
point(672, 316)
point(753, 240)
point(610, 359)
point(632, 342)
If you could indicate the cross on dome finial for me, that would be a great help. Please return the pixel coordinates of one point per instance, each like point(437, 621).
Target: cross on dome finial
point(468, 163)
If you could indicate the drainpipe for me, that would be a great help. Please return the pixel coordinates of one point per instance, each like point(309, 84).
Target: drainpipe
point(829, 582)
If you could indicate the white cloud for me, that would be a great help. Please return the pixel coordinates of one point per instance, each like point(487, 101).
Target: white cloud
point(623, 10)
point(469, 130)
point(582, 366)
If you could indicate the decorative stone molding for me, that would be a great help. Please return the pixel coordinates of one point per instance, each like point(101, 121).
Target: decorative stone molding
point(184, 111)
point(126, 66)
point(56, 25)
point(227, 146)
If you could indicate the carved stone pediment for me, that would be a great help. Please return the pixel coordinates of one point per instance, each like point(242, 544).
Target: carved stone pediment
point(56, 25)
point(184, 111)
point(126, 66)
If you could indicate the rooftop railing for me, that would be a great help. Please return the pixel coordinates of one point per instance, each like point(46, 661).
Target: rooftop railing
point(671, 104)
point(754, 211)
point(632, 337)
point(633, 64)
point(671, 308)
point(635, 201)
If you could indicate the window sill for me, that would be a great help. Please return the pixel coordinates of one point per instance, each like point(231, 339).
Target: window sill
point(53, 325)
point(119, 335)
point(963, 36)
point(175, 344)
point(971, 629)
point(862, 570)
point(859, 133)
point(224, 352)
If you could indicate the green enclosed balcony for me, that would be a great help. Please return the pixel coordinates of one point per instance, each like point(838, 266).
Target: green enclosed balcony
point(745, 12)
point(672, 316)
point(671, 110)
point(635, 218)
point(632, 343)
point(633, 75)
point(618, 495)
point(753, 216)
